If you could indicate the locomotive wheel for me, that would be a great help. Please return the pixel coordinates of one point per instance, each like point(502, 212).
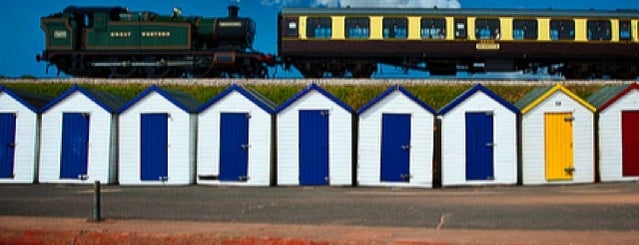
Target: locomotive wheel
point(121, 71)
point(157, 71)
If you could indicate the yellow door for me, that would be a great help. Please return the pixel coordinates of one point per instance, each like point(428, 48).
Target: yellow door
point(559, 153)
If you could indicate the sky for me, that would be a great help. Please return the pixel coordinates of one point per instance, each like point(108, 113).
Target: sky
point(21, 38)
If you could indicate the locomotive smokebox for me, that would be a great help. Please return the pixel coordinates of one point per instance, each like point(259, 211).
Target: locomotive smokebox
point(233, 11)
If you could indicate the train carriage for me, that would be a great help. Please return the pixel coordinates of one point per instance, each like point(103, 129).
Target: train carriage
point(353, 41)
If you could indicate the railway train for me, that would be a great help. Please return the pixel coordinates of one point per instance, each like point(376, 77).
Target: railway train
point(347, 42)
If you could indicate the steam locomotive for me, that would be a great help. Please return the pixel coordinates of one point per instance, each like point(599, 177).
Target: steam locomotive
point(116, 43)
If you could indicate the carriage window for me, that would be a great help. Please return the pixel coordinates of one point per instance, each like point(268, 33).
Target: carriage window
point(395, 28)
point(562, 30)
point(433, 28)
point(290, 27)
point(460, 28)
point(487, 29)
point(599, 30)
point(624, 30)
point(524, 29)
point(318, 27)
point(357, 27)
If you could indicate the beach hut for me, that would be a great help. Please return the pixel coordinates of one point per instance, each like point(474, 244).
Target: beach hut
point(314, 139)
point(395, 142)
point(618, 120)
point(235, 139)
point(479, 139)
point(557, 137)
point(157, 138)
point(19, 131)
point(78, 138)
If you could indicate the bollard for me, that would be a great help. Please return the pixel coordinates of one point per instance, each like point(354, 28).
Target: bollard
point(97, 216)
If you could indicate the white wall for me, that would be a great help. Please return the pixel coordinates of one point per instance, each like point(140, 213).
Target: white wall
point(181, 153)
point(610, 138)
point(533, 140)
point(25, 139)
point(99, 155)
point(339, 136)
point(454, 142)
point(421, 141)
point(208, 146)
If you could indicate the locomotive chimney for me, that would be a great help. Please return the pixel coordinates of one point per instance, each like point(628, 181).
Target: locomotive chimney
point(233, 11)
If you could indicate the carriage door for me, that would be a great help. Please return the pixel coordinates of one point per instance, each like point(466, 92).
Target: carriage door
point(154, 147)
point(559, 149)
point(479, 146)
point(313, 147)
point(75, 143)
point(234, 146)
point(7, 141)
point(630, 142)
point(395, 148)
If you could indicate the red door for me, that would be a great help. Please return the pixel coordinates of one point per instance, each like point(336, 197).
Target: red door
point(630, 142)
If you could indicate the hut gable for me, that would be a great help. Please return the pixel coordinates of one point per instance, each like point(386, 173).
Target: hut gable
point(314, 119)
point(29, 100)
point(259, 100)
point(479, 139)
point(313, 88)
point(182, 100)
point(107, 101)
point(539, 95)
point(79, 137)
point(472, 91)
point(608, 95)
point(396, 140)
point(391, 90)
point(235, 139)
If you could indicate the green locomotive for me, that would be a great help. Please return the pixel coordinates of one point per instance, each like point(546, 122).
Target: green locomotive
point(112, 42)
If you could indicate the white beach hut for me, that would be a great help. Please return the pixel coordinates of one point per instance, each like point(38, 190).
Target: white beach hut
point(157, 138)
point(479, 139)
point(78, 138)
point(618, 119)
point(19, 131)
point(557, 131)
point(395, 142)
point(235, 139)
point(314, 140)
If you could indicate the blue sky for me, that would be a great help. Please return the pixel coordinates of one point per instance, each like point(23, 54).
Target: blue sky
point(21, 37)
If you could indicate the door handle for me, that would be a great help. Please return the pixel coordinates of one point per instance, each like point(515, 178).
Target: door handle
point(491, 144)
point(245, 147)
point(406, 147)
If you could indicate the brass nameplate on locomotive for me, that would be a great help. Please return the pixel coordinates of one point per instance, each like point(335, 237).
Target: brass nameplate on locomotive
point(487, 46)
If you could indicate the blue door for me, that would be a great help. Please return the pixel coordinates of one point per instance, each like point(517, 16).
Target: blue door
point(479, 146)
point(234, 146)
point(395, 147)
point(154, 147)
point(75, 145)
point(7, 141)
point(313, 143)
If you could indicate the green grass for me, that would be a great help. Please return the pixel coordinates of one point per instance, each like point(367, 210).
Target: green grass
point(354, 95)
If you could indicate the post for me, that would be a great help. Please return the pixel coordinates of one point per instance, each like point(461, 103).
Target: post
point(97, 216)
